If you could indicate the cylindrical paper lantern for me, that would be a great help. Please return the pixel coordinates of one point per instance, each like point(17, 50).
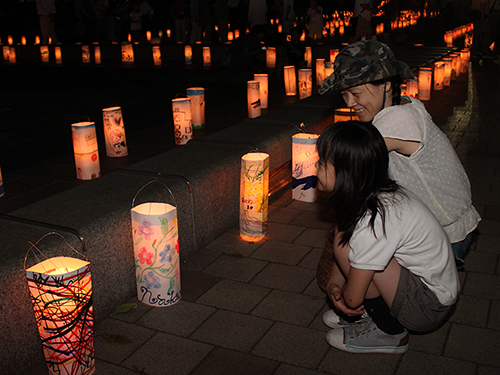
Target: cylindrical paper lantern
point(308, 56)
point(156, 250)
point(127, 53)
point(254, 191)
point(290, 80)
point(271, 57)
point(328, 69)
point(148, 36)
point(448, 38)
point(304, 171)
point(44, 52)
point(6, 53)
point(464, 61)
point(253, 99)
point(37, 39)
point(183, 128)
point(412, 88)
point(2, 191)
point(447, 70)
point(439, 75)
point(58, 54)
point(61, 292)
point(320, 71)
point(263, 87)
point(23, 40)
point(207, 59)
point(114, 132)
point(156, 55)
point(97, 55)
point(305, 83)
point(10, 40)
point(197, 96)
point(333, 54)
point(188, 55)
point(424, 83)
point(455, 66)
point(85, 54)
point(12, 55)
point(345, 114)
point(86, 150)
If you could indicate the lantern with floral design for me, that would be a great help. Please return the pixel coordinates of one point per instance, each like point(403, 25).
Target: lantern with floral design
point(114, 132)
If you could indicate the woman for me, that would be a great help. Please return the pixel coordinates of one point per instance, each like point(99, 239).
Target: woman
point(421, 158)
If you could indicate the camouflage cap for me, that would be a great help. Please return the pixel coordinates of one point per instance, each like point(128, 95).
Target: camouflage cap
point(364, 62)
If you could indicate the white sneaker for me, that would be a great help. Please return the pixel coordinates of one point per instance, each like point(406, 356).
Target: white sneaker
point(367, 338)
point(332, 320)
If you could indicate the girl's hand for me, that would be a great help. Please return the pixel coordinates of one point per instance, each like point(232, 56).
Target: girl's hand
point(335, 294)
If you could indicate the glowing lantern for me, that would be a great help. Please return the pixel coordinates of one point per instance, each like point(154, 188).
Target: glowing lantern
point(6, 52)
point(37, 39)
point(169, 33)
point(448, 39)
point(61, 291)
point(148, 36)
point(455, 66)
point(412, 88)
point(44, 52)
point(207, 60)
point(345, 114)
point(183, 128)
point(254, 191)
point(290, 80)
point(468, 40)
point(341, 30)
point(50, 40)
point(253, 99)
point(236, 34)
point(86, 150)
point(127, 53)
point(305, 83)
point(304, 171)
point(280, 28)
point(271, 57)
point(156, 55)
point(308, 56)
point(424, 83)
point(97, 54)
point(2, 191)
point(439, 75)
point(12, 55)
point(156, 252)
point(333, 54)
point(58, 54)
point(10, 41)
point(197, 96)
point(320, 71)
point(403, 89)
point(23, 40)
point(447, 71)
point(188, 55)
point(114, 132)
point(85, 54)
point(263, 88)
point(328, 68)
point(464, 61)
point(230, 36)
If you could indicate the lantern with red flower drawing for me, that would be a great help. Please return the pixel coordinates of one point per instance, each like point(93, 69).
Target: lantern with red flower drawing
point(86, 150)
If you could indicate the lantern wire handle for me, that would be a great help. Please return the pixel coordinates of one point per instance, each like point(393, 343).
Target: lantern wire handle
point(33, 245)
point(149, 183)
point(301, 127)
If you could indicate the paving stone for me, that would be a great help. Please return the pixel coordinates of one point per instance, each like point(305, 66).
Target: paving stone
point(286, 369)
point(163, 351)
point(432, 343)
point(488, 244)
point(311, 259)
point(283, 232)
point(223, 361)
point(294, 345)
point(283, 277)
point(416, 363)
point(489, 227)
point(232, 330)
point(195, 284)
point(200, 260)
point(482, 262)
point(235, 267)
point(290, 308)
point(482, 286)
point(133, 315)
point(312, 237)
point(282, 215)
point(315, 220)
point(494, 320)
point(231, 243)
point(180, 319)
point(314, 290)
point(320, 205)
point(105, 368)
point(471, 310)
point(234, 296)
point(486, 370)
point(281, 252)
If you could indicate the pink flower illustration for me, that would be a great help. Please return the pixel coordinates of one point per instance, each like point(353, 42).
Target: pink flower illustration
point(145, 257)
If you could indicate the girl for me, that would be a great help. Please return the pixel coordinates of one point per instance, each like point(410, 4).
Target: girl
point(392, 258)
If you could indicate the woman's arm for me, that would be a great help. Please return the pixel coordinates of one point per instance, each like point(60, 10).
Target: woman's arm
point(403, 147)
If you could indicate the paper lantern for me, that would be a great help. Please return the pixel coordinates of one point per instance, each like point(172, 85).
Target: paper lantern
point(58, 54)
point(86, 150)
point(290, 80)
point(263, 88)
point(10, 41)
point(183, 128)
point(169, 33)
point(2, 191)
point(308, 56)
point(424, 83)
point(156, 55)
point(305, 83)
point(44, 52)
point(127, 53)
point(448, 39)
point(438, 75)
point(320, 71)
point(468, 40)
point(333, 54)
point(37, 39)
point(271, 57)
point(304, 171)
point(230, 36)
point(253, 99)
point(455, 66)
point(61, 292)
point(156, 252)
point(254, 191)
point(280, 29)
point(447, 71)
point(207, 59)
point(197, 96)
point(6, 53)
point(345, 114)
point(23, 40)
point(85, 54)
point(148, 36)
point(188, 55)
point(12, 55)
point(328, 68)
point(341, 30)
point(114, 132)
point(412, 88)
point(464, 62)
point(402, 87)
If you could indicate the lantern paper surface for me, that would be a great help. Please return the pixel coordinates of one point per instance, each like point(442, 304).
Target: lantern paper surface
point(328, 69)
point(197, 96)
point(320, 71)
point(304, 171)
point(6, 53)
point(271, 57)
point(253, 99)
point(86, 150)
point(61, 292)
point(114, 132)
point(156, 55)
point(127, 53)
point(308, 56)
point(12, 55)
point(464, 62)
point(183, 128)
point(412, 88)
point(44, 52)
point(58, 54)
point(254, 190)
point(97, 54)
point(345, 114)
point(455, 66)
point(85, 54)
point(447, 71)
point(305, 83)
point(188, 55)
point(156, 250)
point(290, 80)
point(207, 59)
point(424, 83)
point(439, 75)
point(263, 87)
point(333, 54)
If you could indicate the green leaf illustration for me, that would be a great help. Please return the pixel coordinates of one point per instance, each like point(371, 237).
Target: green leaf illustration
point(139, 240)
point(164, 225)
point(126, 307)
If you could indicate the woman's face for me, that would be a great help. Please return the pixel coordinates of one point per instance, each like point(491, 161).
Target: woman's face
point(367, 99)
point(326, 176)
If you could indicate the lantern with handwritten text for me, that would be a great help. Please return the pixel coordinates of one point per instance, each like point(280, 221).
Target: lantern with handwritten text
point(183, 128)
point(424, 83)
point(207, 59)
point(271, 57)
point(127, 53)
point(188, 55)
point(253, 99)
point(320, 71)
point(114, 132)
point(85, 54)
point(156, 55)
point(305, 83)
point(262, 78)
point(85, 150)
point(290, 80)
point(438, 75)
point(447, 71)
point(12, 55)
point(197, 96)
point(304, 171)
point(44, 52)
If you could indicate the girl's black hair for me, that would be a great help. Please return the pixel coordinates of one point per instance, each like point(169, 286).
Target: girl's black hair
point(359, 155)
point(396, 82)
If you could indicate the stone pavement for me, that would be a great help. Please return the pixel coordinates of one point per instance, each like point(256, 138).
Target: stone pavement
point(255, 308)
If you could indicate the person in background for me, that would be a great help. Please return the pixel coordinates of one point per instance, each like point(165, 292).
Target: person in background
point(315, 21)
point(46, 10)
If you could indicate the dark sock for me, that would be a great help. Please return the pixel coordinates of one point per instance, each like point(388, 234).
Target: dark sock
point(381, 316)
